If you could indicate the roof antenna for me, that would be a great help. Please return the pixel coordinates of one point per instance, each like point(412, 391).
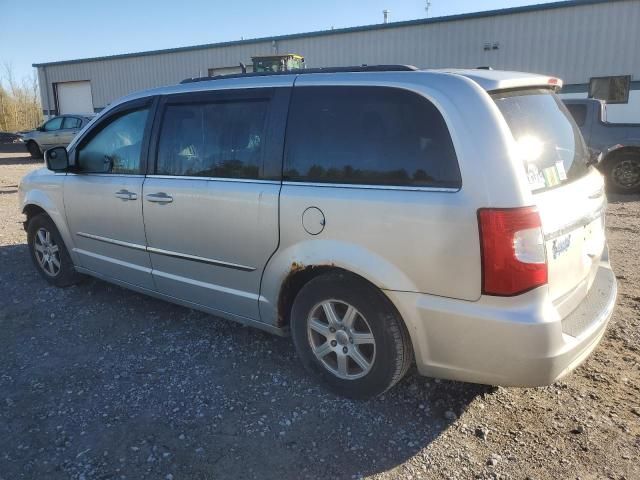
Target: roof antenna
point(243, 67)
point(427, 7)
point(385, 13)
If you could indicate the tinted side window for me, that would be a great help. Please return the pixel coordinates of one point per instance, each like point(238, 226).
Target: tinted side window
point(71, 122)
point(578, 112)
point(53, 124)
point(221, 139)
point(116, 148)
point(368, 135)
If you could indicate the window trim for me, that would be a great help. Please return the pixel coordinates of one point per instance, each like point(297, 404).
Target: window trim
point(118, 111)
point(278, 102)
point(365, 186)
point(609, 77)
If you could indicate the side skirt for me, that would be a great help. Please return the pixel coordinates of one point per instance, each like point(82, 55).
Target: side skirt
point(282, 332)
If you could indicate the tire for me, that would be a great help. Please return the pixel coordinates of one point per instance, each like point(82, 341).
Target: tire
point(623, 173)
point(34, 149)
point(45, 242)
point(374, 317)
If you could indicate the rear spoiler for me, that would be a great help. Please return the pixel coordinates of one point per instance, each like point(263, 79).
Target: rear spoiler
point(494, 80)
point(537, 81)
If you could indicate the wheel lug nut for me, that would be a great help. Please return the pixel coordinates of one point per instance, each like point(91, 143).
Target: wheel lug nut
point(333, 343)
point(344, 350)
point(332, 330)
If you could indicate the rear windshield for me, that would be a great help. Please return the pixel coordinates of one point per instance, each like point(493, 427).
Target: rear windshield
point(547, 138)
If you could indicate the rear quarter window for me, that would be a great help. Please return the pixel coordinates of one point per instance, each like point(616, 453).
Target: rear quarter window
point(548, 141)
point(368, 135)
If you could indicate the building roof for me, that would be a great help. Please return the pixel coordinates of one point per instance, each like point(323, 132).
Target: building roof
point(382, 26)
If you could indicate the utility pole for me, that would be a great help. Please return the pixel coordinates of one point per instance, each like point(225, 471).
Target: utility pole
point(427, 7)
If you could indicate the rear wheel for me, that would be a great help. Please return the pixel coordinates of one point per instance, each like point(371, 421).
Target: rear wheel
point(48, 252)
point(34, 150)
point(349, 335)
point(623, 173)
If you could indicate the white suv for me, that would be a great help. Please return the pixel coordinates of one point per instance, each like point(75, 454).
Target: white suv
point(380, 215)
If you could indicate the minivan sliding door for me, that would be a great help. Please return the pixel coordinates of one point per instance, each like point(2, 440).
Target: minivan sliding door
point(211, 201)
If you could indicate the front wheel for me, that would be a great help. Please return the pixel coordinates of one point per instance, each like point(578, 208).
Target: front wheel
point(350, 336)
point(34, 150)
point(48, 252)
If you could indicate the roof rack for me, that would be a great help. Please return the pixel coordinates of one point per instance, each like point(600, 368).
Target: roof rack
point(357, 68)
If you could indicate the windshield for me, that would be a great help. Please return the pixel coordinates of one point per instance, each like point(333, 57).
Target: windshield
point(548, 140)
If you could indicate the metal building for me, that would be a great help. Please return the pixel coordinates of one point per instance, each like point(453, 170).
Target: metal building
point(593, 45)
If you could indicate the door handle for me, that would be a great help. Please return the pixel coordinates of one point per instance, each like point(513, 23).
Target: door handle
point(159, 197)
point(126, 195)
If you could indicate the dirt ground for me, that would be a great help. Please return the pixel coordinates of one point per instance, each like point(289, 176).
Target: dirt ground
point(101, 383)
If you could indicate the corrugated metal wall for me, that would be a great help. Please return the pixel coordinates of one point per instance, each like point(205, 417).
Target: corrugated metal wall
point(574, 43)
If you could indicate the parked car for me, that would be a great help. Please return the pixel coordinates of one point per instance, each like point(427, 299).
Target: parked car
point(619, 143)
point(7, 137)
point(57, 132)
point(380, 216)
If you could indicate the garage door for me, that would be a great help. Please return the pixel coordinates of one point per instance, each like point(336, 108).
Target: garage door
point(74, 97)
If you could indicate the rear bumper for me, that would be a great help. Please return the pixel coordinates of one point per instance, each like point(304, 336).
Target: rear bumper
point(519, 341)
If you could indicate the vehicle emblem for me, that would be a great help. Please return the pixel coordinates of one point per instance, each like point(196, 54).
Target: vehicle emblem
point(560, 246)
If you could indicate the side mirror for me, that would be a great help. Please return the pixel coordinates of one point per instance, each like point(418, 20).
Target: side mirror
point(57, 159)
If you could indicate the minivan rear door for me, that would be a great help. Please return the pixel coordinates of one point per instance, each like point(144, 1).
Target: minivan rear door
point(568, 192)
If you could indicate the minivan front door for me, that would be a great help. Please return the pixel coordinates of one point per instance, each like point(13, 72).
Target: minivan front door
point(103, 197)
point(211, 204)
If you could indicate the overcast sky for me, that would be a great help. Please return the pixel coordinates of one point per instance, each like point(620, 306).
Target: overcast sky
point(35, 31)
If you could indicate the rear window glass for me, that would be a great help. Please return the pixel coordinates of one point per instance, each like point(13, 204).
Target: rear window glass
point(547, 138)
point(368, 135)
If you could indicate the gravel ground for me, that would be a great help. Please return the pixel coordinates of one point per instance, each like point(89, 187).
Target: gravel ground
point(98, 383)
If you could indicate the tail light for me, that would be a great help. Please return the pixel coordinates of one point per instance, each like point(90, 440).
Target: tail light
point(512, 248)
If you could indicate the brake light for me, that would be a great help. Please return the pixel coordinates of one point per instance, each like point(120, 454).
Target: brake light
point(512, 248)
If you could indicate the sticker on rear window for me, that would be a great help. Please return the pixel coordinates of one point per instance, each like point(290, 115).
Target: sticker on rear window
point(546, 177)
point(535, 177)
point(561, 172)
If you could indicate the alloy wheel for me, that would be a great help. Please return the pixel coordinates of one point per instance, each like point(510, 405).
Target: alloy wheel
point(341, 339)
point(47, 252)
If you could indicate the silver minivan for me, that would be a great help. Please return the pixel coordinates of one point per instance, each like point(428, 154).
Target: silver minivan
point(379, 215)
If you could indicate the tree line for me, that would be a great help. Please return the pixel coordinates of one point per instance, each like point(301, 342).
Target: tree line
point(20, 107)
